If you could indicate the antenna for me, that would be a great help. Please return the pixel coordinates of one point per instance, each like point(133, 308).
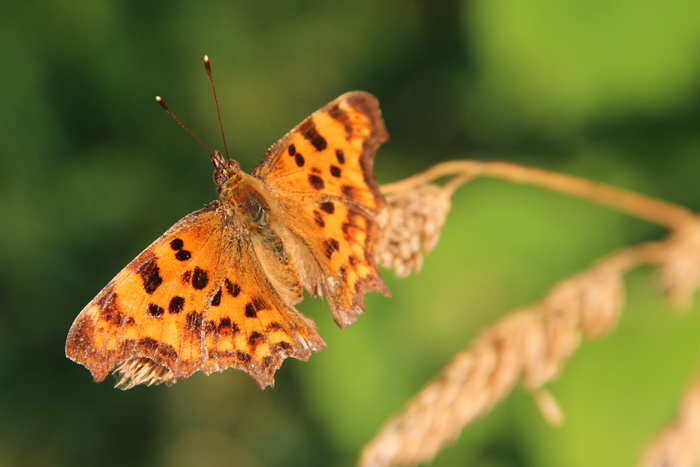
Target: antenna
point(162, 104)
point(216, 101)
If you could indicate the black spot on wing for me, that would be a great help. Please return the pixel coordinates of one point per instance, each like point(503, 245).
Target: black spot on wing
point(178, 245)
point(292, 150)
point(226, 327)
point(243, 356)
point(348, 191)
point(216, 301)
point(232, 289)
point(328, 207)
point(176, 304)
point(274, 326)
point(183, 255)
point(150, 273)
point(193, 322)
point(335, 171)
point(318, 218)
point(331, 245)
point(154, 311)
point(310, 134)
point(250, 311)
point(255, 339)
point(260, 304)
point(340, 155)
point(299, 160)
point(200, 279)
point(284, 345)
point(316, 182)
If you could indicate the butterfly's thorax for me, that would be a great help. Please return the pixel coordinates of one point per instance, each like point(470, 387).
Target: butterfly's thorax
point(242, 197)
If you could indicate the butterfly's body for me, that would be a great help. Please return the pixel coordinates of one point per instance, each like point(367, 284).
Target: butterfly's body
point(248, 204)
point(217, 290)
point(241, 195)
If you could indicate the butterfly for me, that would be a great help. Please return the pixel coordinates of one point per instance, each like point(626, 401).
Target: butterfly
point(218, 289)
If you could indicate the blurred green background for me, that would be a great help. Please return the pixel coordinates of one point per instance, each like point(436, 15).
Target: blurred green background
point(92, 170)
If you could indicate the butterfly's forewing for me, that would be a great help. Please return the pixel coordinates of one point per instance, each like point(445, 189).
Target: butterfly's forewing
point(196, 299)
point(320, 175)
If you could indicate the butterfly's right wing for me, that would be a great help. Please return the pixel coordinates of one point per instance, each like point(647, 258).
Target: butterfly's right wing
point(320, 175)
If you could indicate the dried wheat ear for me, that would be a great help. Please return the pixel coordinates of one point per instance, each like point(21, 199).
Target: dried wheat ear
point(530, 345)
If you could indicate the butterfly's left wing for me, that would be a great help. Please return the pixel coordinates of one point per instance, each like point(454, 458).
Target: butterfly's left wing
point(196, 299)
point(325, 192)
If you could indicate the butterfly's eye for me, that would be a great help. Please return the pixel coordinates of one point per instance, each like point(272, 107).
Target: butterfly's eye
point(232, 168)
point(220, 176)
point(225, 171)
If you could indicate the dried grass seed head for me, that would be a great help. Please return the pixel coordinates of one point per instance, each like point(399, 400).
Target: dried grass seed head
point(679, 272)
point(410, 227)
point(137, 371)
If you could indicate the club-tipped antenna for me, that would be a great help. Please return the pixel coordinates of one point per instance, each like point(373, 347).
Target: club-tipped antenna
point(165, 107)
point(207, 66)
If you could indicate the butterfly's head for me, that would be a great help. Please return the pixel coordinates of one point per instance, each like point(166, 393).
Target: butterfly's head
point(224, 169)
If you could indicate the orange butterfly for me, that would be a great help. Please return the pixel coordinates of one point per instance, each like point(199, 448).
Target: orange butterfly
point(218, 289)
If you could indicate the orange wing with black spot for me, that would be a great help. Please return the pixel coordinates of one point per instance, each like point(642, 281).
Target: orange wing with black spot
point(320, 176)
point(196, 299)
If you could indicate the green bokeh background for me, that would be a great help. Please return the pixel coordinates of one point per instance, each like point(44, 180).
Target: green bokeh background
point(92, 170)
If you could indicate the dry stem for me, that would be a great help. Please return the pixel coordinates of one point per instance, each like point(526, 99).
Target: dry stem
point(530, 345)
point(644, 207)
point(679, 444)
